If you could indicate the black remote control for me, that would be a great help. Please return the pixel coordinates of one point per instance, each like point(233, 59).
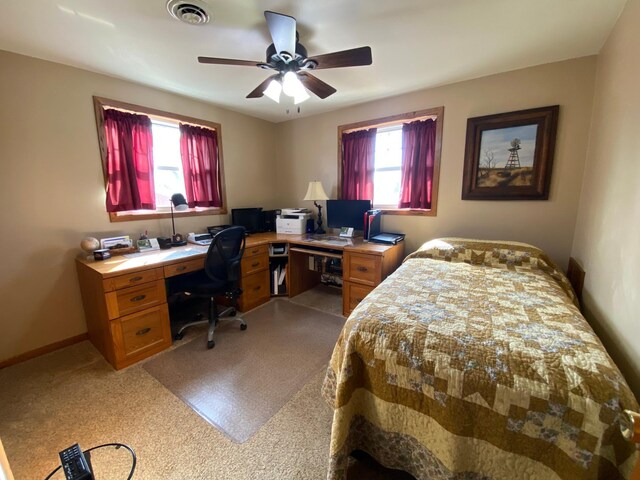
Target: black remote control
point(75, 464)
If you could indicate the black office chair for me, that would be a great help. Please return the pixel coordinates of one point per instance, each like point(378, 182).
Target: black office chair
point(221, 276)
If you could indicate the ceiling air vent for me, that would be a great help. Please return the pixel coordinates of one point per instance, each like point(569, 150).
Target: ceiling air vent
point(189, 11)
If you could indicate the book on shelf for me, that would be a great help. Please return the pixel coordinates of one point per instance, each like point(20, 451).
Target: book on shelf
point(278, 285)
point(274, 281)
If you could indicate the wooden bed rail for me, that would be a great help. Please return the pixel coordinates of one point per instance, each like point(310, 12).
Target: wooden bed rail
point(630, 428)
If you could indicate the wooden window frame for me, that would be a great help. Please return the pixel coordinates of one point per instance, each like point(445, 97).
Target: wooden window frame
point(438, 114)
point(99, 105)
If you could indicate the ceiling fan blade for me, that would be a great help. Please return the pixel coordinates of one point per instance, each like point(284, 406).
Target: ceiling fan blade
point(283, 31)
point(259, 90)
point(228, 61)
point(317, 86)
point(346, 58)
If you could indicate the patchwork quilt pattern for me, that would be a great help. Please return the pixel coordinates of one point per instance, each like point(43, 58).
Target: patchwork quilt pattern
point(473, 360)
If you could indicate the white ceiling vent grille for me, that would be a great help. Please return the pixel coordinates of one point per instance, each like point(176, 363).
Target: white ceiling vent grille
point(189, 11)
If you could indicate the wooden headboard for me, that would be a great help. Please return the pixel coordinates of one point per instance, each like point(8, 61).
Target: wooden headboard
point(576, 274)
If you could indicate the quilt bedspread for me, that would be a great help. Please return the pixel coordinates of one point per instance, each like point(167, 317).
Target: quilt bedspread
point(472, 361)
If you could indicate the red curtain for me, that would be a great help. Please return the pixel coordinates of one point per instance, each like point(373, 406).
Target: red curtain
point(418, 155)
point(358, 164)
point(129, 161)
point(199, 151)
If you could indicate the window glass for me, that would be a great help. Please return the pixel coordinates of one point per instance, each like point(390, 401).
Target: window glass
point(388, 164)
point(167, 163)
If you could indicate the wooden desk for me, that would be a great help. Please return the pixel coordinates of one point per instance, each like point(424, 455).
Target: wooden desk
point(364, 266)
point(125, 302)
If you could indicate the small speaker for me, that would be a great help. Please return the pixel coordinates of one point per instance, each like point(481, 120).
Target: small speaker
point(164, 242)
point(269, 220)
point(310, 226)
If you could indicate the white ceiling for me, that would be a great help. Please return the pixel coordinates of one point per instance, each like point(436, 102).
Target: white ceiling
point(415, 43)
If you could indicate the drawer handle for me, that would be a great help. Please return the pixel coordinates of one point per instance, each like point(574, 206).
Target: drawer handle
point(135, 279)
point(181, 268)
point(255, 251)
point(138, 298)
point(144, 331)
point(255, 264)
point(257, 288)
point(362, 269)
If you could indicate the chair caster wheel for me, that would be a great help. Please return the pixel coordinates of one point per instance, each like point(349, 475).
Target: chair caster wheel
point(178, 336)
point(211, 344)
point(243, 326)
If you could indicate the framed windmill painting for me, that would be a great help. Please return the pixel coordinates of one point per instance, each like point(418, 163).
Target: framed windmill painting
point(509, 156)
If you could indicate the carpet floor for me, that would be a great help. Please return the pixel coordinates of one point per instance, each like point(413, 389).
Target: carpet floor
point(73, 395)
point(321, 297)
point(249, 375)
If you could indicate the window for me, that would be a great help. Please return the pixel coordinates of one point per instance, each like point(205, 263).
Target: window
point(388, 165)
point(172, 136)
point(167, 163)
point(387, 161)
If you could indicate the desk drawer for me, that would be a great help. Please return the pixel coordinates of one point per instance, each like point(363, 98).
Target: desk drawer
point(254, 264)
point(183, 267)
point(141, 334)
point(256, 250)
point(363, 268)
point(134, 299)
point(255, 290)
point(124, 281)
point(352, 295)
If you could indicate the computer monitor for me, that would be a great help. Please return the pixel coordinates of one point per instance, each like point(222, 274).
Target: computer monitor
point(249, 218)
point(347, 213)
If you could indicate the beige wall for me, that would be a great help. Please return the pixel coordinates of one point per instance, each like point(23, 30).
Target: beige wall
point(308, 150)
point(608, 227)
point(52, 187)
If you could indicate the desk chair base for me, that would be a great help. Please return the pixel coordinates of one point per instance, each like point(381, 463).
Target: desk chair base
point(213, 319)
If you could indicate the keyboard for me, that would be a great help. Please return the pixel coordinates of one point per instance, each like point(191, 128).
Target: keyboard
point(329, 240)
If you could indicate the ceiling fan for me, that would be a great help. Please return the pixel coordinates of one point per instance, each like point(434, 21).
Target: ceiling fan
point(288, 58)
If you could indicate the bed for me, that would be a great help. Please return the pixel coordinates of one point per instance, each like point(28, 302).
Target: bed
point(472, 361)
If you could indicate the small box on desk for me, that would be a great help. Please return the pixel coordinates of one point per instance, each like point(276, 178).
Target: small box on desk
point(291, 225)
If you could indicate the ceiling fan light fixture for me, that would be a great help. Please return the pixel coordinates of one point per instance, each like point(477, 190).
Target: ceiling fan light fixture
point(301, 96)
point(273, 91)
point(291, 84)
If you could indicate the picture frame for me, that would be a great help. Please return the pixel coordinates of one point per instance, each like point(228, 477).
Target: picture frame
point(147, 244)
point(509, 156)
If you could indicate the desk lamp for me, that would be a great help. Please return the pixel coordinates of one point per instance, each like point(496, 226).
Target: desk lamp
point(180, 204)
point(316, 192)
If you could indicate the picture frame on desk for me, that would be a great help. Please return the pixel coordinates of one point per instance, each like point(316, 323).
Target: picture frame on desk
point(346, 232)
point(148, 244)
